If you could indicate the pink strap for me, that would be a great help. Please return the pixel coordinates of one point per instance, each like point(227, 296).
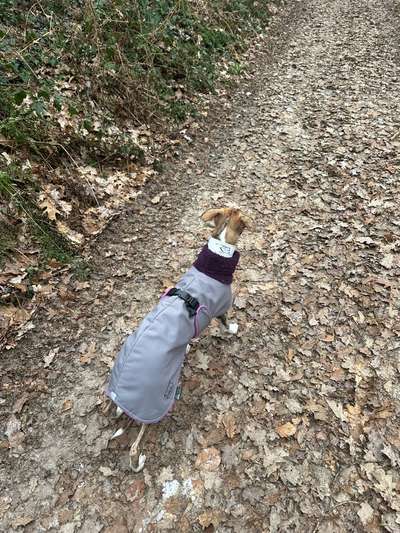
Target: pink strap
point(196, 319)
point(164, 294)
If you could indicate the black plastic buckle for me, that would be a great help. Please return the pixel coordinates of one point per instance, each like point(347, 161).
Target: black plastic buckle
point(191, 303)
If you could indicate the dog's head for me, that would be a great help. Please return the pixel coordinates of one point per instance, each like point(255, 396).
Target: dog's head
point(230, 219)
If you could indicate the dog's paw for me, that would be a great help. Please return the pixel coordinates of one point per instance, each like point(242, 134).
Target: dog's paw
point(140, 465)
point(118, 433)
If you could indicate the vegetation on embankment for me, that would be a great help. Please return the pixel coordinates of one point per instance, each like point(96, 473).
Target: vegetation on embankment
point(84, 84)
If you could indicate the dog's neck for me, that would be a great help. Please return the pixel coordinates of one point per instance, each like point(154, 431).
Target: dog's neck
point(221, 236)
point(220, 247)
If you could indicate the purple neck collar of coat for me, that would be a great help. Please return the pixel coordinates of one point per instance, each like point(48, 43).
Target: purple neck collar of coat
point(215, 266)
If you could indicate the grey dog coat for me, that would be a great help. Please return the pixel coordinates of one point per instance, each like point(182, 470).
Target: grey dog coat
point(146, 372)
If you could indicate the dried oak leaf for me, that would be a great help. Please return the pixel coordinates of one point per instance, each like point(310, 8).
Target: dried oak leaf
point(209, 518)
point(22, 521)
point(286, 430)
point(13, 433)
point(365, 513)
point(67, 404)
point(337, 409)
point(19, 404)
point(86, 357)
point(386, 411)
point(208, 459)
point(49, 358)
point(387, 261)
point(71, 235)
point(13, 426)
point(5, 502)
point(49, 207)
point(229, 423)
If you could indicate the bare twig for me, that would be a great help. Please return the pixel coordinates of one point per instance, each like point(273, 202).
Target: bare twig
point(35, 41)
point(27, 64)
point(5, 35)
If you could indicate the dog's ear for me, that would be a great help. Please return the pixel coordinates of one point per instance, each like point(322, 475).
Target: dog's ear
point(237, 223)
point(218, 217)
point(246, 222)
point(215, 214)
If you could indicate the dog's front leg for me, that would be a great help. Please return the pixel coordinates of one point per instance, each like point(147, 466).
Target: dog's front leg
point(134, 452)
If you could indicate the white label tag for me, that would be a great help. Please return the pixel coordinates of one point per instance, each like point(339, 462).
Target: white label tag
point(221, 248)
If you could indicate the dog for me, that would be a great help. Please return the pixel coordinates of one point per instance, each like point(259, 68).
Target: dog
point(144, 382)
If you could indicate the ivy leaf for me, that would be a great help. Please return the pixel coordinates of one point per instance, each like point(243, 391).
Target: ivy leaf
point(58, 102)
point(19, 97)
point(38, 107)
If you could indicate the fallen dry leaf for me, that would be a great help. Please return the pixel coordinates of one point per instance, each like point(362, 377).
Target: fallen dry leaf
point(73, 236)
point(337, 409)
point(290, 354)
point(86, 357)
point(384, 412)
point(13, 433)
point(13, 426)
point(286, 430)
point(50, 356)
point(5, 502)
point(16, 439)
point(208, 459)
point(49, 207)
point(22, 521)
point(67, 404)
point(337, 374)
point(387, 261)
point(15, 315)
point(366, 513)
point(106, 471)
point(229, 423)
point(209, 518)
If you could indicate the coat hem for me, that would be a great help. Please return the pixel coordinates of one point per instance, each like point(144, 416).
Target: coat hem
point(115, 400)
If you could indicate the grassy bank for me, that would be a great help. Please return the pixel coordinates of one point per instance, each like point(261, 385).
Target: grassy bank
point(83, 87)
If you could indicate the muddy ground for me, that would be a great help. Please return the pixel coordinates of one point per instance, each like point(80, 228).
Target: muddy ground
point(293, 423)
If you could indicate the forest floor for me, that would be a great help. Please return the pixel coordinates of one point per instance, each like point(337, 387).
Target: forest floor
point(293, 423)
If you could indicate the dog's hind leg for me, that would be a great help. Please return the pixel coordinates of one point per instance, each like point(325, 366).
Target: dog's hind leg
point(134, 452)
point(232, 327)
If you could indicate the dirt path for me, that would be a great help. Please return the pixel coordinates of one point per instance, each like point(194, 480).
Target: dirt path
point(297, 416)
